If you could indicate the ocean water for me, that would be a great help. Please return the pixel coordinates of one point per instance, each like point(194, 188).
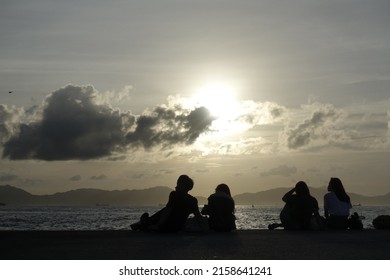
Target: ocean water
point(117, 218)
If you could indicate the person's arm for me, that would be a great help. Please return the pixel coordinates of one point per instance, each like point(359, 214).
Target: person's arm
point(288, 194)
point(202, 221)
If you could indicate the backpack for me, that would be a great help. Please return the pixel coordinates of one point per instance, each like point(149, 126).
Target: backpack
point(382, 222)
point(354, 222)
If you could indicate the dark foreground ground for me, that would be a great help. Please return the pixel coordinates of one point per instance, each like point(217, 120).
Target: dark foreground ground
point(240, 245)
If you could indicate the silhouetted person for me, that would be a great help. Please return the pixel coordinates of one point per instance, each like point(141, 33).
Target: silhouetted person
point(300, 211)
point(173, 216)
point(220, 209)
point(336, 205)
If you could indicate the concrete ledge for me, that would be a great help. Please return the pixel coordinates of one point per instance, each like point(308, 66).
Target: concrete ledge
point(240, 245)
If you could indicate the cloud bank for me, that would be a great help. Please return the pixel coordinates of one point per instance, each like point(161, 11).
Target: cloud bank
point(79, 123)
point(76, 123)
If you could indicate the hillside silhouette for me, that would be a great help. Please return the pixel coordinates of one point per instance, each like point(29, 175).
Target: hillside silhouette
point(10, 195)
point(153, 196)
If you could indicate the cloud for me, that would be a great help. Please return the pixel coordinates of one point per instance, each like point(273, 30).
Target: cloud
point(9, 119)
point(77, 123)
point(281, 170)
point(244, 130)
point(320, 126)
point(261, 113)
point(166, 126)
point(361, 127)
point(117, 96)
point(73, 126)
point(245, 146)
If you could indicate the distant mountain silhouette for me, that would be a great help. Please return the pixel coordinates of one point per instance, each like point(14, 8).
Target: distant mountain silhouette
point(10, 195)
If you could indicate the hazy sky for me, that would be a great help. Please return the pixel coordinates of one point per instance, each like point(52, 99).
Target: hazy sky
point(257, 94)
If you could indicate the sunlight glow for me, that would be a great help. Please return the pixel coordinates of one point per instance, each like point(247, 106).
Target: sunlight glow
point(218, 97)
point(229, 132)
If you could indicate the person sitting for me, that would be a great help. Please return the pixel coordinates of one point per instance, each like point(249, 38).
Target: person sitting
point(173, 216)
point(336, 205)
point(300, 211)
point(220, 209)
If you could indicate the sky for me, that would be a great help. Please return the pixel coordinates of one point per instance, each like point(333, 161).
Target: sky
point(256, 94)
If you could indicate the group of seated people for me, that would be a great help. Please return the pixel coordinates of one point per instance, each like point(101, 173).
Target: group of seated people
point(301, 211)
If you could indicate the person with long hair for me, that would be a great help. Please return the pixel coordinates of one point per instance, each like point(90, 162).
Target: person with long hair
point(337, 204)
point(300, 211)
point(220, 209)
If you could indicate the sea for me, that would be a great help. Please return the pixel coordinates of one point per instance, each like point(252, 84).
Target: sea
point(120, 218)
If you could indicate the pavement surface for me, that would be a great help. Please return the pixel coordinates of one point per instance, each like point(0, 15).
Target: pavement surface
point(238, 245)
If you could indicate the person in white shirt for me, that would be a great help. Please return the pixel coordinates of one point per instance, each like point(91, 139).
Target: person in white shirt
point(337, 204)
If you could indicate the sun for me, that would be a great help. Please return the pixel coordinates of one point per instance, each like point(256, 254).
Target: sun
point(218, 97)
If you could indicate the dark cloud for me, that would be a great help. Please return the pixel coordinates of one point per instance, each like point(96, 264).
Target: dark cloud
point(73, 126)
point(76, 124)
point(168, 127)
